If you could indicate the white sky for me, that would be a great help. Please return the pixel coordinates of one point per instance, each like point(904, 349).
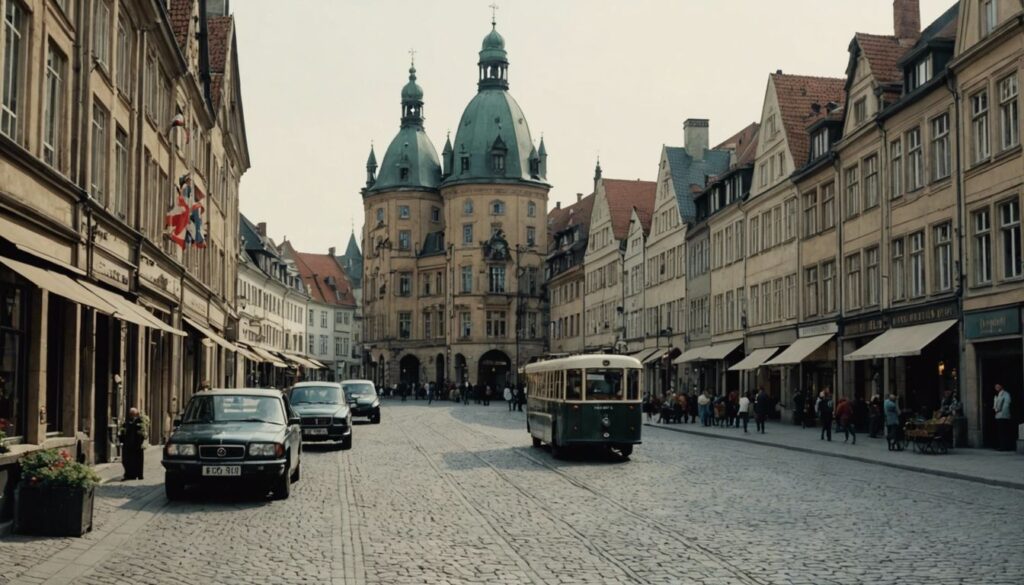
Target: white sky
point(615, 78)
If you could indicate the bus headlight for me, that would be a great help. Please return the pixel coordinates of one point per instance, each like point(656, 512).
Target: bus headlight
point(606, 422)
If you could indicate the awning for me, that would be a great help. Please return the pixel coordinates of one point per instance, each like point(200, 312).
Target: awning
point(242, 351)
point(643, 354)
point(798, 352)
point(58, 284)
point(268, 357)
point(129, 311)
point(209, 334)
point(755, 360)
point(318, 364)
point(901, 341)
point(654, 356)
point(300, 360)
point(692, 355)
point(718, 351)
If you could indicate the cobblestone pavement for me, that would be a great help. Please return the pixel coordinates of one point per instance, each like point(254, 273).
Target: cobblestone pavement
point(455, 494)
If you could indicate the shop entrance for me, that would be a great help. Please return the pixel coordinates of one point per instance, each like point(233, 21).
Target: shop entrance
point(999, 363)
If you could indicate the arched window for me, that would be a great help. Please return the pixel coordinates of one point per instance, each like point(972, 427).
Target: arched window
point(380, 214)
point(531, 209)
point(467, 207)
point(497, 207)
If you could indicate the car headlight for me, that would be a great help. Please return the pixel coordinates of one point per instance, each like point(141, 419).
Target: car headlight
point(180, 450)
point(606, 422)
point(266, 449)
point(341, 420)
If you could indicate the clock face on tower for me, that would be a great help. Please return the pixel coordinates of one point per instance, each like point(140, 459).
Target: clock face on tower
point(496, 248)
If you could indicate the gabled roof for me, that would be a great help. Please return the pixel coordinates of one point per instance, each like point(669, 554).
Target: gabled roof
point(623, 197)
point(795, 94)
point(882, 52)
point(180, 13)
point(941, 31)
point(252, 241)
point(688, 173)
point(325, 280)
point(219, 28)
point(577, 214)
point(743, 145)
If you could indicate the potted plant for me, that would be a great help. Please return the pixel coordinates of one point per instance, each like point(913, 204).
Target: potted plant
point(55, 495)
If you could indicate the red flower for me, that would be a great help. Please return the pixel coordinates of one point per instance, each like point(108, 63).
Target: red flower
point(65, 455)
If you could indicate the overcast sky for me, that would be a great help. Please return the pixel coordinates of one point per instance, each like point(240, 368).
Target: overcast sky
point(615, 78)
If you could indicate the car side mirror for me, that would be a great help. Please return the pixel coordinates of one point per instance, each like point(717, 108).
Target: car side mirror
point(294, 420)
point(176, 423)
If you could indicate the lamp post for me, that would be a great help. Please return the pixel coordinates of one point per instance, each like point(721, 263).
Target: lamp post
point(667, 332)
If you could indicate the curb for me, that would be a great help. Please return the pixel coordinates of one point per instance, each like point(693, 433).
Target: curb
point(939, 472)
point(109, 472)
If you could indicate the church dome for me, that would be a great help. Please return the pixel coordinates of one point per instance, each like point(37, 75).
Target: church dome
point(410, 161)
point(412, 90)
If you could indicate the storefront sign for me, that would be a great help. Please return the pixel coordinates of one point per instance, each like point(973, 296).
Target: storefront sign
point(194, 304)
point(158, 278)
point(820, 329)
point(926, 315)
point(992, 323)
point(109, 271)
point(864, 327)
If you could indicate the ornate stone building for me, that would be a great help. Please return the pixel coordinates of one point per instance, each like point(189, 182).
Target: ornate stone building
point(454, 253)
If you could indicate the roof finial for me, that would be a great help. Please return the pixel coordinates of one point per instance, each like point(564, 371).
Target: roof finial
point(494, 14)
point(412, 57)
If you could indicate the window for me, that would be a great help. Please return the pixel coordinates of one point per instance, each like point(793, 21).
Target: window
point(870, 169)
point(380, 215)
point(739, 247)
point(99, 154)
point(943, 257)
point(467, 233)
point(872, 277)
point(531, 236)
point(404, 325)
point(915, 160)
point(323, 345)
point(14, 55)
point(853, 281)
point(403, 212)
point(121, 173)
point(781, 164)
point(467, 207)
point(828, 286)
point(982, 247)
point(337, 347)
point(988, 16)
point(404, 284)
point(920, 74)
point(467, 279)
point(755, 308)
point(852, 192)
point(53, 114)
point(435, 214)
point(896, 168)
point(125, 45)
point(811, 291)
point(339, 317)
point(860, 110)
point(1009, 112)
point(323, 319)
point(101, 33)
point(312, 317)
point(497, 279)
point(496, 323)
point(404, 240)
point(755, 235)
point(899, 271)
point(464, 163)
point(497, 208)
point(1009, 226)
point(979, 126)
point(917, 271)
point(819, 144)
point(828, 206)
point(428, 330)
point(531, 209)
point(311, 344)
point(791, 296)
point(790, 218)
point(465, 324)
point(13, 338)
point(940, 147)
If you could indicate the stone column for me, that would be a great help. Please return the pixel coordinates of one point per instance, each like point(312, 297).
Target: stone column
point(35, 400)
point(970, 395)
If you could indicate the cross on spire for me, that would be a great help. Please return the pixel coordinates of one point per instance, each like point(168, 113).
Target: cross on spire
point(412, 56)
point(494, 13)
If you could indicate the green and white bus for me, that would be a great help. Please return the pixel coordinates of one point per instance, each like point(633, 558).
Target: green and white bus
point(585, 400)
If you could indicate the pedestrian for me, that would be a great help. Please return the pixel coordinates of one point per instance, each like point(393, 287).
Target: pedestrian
point(762, 405)
point(892, 423)
point(520, 398)
point(430, 393)
point(704, 404)
point(798, 408)
point(732, 409)
point(875, 418)
point(845, 415)
point(403, 389)
point(487, 395)
point(744, 411)
point(507, 394)
point(133, 435)
point(692, 407)
point(1004, 423)
point(823, 408)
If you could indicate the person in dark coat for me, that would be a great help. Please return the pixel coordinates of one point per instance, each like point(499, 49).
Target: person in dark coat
point(798, 408)
point(860, 413)
point(824, 411)
point(133, 436)
point(762, 405)
point(691, 407)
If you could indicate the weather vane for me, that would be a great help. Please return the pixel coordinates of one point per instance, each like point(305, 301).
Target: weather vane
point(412, 56)
point(494, 14)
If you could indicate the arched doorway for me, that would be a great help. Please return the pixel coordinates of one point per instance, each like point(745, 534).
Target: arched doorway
point(461, 371)
point(439, 369)
point(410, 370)
point(493, 370)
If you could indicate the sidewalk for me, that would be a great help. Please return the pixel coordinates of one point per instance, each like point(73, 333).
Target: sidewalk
point(1005, 469)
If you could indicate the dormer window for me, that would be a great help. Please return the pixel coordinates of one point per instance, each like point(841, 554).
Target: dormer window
point(498, 162)
point(464, 163)
point(819, 144)
point(860, 111)
point(404, 173)
point(988, 16)
point(920, 73)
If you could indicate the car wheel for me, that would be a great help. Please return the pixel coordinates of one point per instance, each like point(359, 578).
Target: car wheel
point(282, 487)
point(297, 473)
point(375, 419)
point(174, 487)
point(346, 443)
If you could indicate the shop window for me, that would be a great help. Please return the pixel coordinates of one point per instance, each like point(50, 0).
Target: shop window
point(13, 324)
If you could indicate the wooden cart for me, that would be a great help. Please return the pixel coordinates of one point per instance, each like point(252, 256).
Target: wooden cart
point(934, 436)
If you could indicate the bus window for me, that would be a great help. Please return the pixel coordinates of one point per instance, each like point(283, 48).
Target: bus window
point(605, 384)
point(633, 384)
point(574, 385)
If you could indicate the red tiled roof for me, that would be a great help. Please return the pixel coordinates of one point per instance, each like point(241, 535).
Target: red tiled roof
point(883, 52)
point(743, 144)
point(795, 94)
point(315, 269)
point(180, 12)
point(578, 213)
point(622, 197)
point(219, 28)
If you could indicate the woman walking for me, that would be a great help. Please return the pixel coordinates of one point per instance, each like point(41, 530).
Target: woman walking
point(844, 412)
point(744, 411)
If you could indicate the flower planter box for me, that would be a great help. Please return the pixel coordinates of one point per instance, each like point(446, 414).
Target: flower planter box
point(53, 510)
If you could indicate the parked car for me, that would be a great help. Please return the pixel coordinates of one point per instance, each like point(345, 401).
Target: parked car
point(247, 435)
point(324, 412)
point(363, 399)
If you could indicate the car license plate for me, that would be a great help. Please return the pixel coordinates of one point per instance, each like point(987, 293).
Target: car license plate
point(222, 470)
point(316, 431)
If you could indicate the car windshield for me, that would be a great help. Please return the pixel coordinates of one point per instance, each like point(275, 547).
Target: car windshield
point(234, 408)
point(316, 395)
point(362, 390)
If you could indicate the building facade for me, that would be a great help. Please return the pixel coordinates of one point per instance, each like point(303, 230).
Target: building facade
point(568, 233)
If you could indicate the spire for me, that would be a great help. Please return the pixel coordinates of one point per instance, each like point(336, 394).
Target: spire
point(412, 98)
point(597, 173)
point(371, 168)
point(542, 154)
point(493, 58)
point(447, 156)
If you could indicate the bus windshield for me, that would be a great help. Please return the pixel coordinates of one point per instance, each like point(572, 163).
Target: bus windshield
point(605, 384)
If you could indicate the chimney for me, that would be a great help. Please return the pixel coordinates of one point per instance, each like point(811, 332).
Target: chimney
point(579, 197)
point(331, 251)
point(906, 19)
point(695, 137)
point(558, 204)
point(261, 227)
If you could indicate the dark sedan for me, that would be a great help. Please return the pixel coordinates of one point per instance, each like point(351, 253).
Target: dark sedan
point(248, 435)
point(325, 414)
point(362, 399)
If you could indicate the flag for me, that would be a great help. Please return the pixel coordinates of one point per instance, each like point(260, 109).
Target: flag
point(179, 122)
point(194, 233)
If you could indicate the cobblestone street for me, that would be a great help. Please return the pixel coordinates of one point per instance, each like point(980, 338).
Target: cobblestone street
point(455, 494)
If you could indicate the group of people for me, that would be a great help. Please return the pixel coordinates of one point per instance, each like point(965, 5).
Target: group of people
point(727, 410)
point(513, 394)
